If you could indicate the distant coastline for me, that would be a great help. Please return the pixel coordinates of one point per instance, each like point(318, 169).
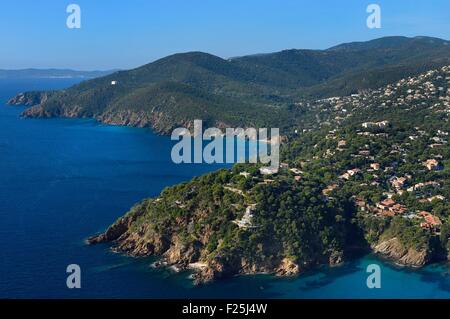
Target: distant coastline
point(52, 74)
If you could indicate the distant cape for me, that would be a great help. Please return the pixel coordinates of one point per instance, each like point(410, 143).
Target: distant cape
point(52, 74)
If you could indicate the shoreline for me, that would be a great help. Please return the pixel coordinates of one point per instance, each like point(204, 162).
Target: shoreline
point(187, 275)
point(195, 268)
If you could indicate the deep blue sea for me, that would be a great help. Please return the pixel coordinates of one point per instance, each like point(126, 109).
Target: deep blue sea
point(62, 180)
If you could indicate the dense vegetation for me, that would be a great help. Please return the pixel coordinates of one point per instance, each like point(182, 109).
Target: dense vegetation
point(257, 90)
point(311, 212)
point(369, 169)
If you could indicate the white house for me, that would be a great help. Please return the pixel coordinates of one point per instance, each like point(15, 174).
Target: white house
point(268, 170)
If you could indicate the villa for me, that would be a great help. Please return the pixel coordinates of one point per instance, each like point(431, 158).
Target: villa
point(431, 164)
point(268, 170)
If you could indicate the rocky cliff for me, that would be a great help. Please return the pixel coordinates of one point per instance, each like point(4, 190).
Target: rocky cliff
point(29, 98)
point(159, 122)
point(144, 240)
point(196, 226)
point(394, 250)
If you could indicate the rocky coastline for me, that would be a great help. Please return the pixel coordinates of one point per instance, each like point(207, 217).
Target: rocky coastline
point(126, 238)
point(159, 122)
point(176, 255)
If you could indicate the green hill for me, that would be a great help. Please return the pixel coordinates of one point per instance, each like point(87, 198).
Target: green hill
point(357, 179)
point(256, 90)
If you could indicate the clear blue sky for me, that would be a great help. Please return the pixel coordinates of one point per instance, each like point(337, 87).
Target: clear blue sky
point(129, 33)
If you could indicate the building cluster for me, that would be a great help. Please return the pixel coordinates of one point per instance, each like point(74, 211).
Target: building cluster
point(410, 93)
point(427, 91)
point(389, 208)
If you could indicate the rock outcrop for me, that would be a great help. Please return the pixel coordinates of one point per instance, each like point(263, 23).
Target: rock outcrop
point(128, 235)
point(288, 267)
point(29, 98)
point(394, 250)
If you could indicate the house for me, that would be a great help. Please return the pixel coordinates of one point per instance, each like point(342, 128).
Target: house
point(268, 170)
point(284, 165)
point(422, 185)
point(345, 176)
point(246, 220)
point(375, 166)
point(431, 164)
point(296, 171)
point(385, 204)
point(381, 124)
point(398, 209)
point(430, 199)
point(398, 182)
point(390, 208)
point(297, 178)
point(437, 197)
point(431, 221)
point(245, 174)
point(354, 171)
point(113, 82)
point(361, 204)
point(388, 202)
point(266, 182)
point(329, 189)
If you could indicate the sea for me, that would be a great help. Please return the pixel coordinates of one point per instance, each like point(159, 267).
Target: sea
point(63, 180)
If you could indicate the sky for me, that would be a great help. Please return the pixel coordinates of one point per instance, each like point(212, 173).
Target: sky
point(129, 33)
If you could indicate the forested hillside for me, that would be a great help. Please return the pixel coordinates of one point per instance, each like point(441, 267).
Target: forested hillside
point(257, 90)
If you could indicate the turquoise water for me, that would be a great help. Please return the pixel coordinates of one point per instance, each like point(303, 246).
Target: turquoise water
point(63, 180)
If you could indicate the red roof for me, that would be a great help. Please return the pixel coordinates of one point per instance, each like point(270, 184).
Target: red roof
point(388, 202)
point(433, 220)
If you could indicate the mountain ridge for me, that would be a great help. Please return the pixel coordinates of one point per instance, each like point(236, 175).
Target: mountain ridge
point(256, 90)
